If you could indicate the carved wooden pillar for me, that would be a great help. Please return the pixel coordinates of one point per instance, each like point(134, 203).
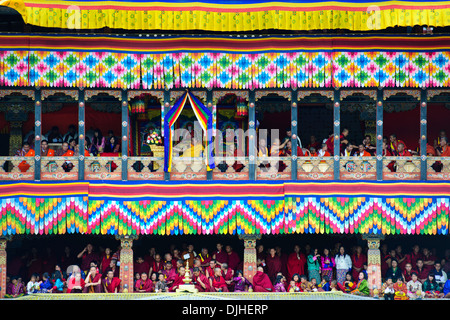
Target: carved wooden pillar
point(126, 263)
point(374, 262)
point(250, 257)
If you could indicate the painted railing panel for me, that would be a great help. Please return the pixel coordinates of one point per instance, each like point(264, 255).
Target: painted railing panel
point(231, 168)
point(401, 168)
point(315, 168)
point(358, 168)
point(103, 168)
point(185, 168)
point(438, 168)
point(16, 168)
point(59, 168)
point(273, 168)
point(145, 168)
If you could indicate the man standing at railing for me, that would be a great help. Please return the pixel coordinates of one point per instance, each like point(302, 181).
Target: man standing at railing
point(45, 151)
point(395, 144)
point(362, 152)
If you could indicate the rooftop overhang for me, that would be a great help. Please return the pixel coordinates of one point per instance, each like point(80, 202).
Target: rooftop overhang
point(231, 16)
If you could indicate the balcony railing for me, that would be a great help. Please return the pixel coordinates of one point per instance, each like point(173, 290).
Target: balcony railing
point(59, 168)
point(315, 168)
point(231, 168)
point(438, 168)
point(226, 168)
point(358, 168)
point(16, 168)
point(273, 168)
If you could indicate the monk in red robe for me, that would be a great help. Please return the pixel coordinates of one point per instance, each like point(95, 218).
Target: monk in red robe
point(209, 272)
point(220, 255)
point(362, 152)
point(179, 280)
point(217, 282)
point(141, 266)
point(26, 151)
point(144, 284)
point(157, 265)
point(111, 284)
point(228, 274)
point(273, 263)
point(261, 282)
point(444, 150)
point(359, 259)
point(393, 146)
point(170, 274)
point(200, 281)
point(296, 262)
point(205, 258)
point(93, 281)
point(233, 258)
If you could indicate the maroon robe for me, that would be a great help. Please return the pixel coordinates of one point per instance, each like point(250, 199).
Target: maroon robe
point(149, 259)
point(414, 257)
point(284, 259)
point(273, 266)
point(233, 260)
point(296, 264)
point(204, 261)
point(422, 274)
point(156, 267)
point(106, 261)
point(141, 267)
point(408, 276)
point(229, 277)
point(97, 288)
point(209, 271)
point(431, 258)
point(402, 264)
point(358, 262)
point(86, 260)
point(170, 275)
point(203, 279)
point(221, 257)
point(144, 285)
point(111, 286)
point(262, 283)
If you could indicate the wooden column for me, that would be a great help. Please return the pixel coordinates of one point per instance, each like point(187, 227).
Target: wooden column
point(126, 263)
point(37, 134)
point(250, 257)
point(252, 137)
point(294, 131)
point(125, 126)
point(374, 263)
point(166, 110)
point(81, 133)
point(379, 135)
point(423, 134)
point(337, 133)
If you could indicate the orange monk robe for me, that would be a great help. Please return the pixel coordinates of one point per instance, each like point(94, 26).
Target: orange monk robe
point(445, 151)
point(430, 150)
point(50, 153)
point(68, 153)
point(364, 154)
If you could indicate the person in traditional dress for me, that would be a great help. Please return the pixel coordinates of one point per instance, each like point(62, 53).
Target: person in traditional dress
point(75, 284)
point(144, 284)
point(25, 151)
point(200, 281)
point(420, 271)
point(45, 150)
point(400, 290)
point(314, 265)
point(439, 274)
point(233, 258)
point(362, 152)
point(220, 255)
point(227, 274)
point(157, 264)
point(431, 288)
point(93, 283)
point(170, 274)
point(86, 256)
point(327, 264)
point(209, 271)
point(348, 284)
point(446, 289)
point(362, 286)
point(32, 285)
point(179, 280)
point(261, 281)
point(46, 286)
point(387, 290)
point(394, 271)
point(279, 284)
point(111, 284)
point(161, 285)
point(343, 265)
point(393, 145)
point(415, 288)
point(217, 282)
point(428, 259)
point(273, 264)
point(294, 284)
point(14, 289)
point(296, 262)
point(106, 261)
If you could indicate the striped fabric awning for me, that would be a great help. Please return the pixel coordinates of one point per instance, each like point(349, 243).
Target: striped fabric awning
point(231, 16)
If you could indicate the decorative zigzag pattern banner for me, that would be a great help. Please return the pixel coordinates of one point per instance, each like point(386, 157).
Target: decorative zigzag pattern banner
point(224, 70)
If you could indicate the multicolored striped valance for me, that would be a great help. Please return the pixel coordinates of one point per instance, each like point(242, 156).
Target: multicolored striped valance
point(172, 208)
point(226, 16)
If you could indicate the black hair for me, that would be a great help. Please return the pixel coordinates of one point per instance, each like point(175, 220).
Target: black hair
point(41, 141)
